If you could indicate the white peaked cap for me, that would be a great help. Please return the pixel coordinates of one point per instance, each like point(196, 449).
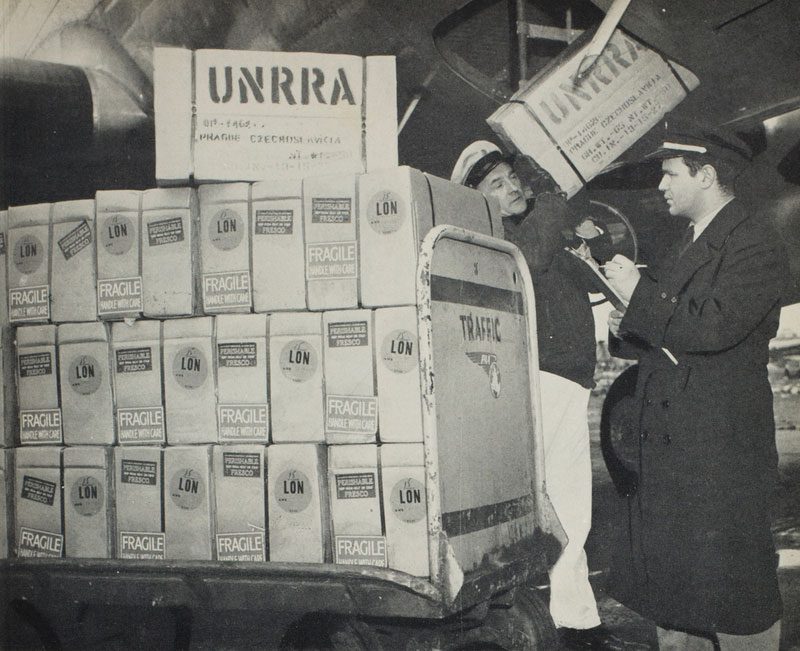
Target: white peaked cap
point(472, 154)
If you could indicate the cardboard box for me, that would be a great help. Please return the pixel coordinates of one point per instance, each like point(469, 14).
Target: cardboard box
point(6, 501)
point(295, 372)
point(329, 218)
point(87, 405)
point(189, 391)
point(73, 278)
point(241, 345)
point(88, 502)
point(240, 488)
point(356, 505)
point(9, 421)
point(37, 385)
point(396, 209)
point(405, 507)
point(29, 264)
point(188, 498)
point(38, 526)
point(169, 251)
point(136, 364)
point(3, 268)
point(138, 480)
point(297, 503)
point(225, 247)
point(279, 281)
point(351, 408)
point(119, 270)
point(232, 115)
point(398, 377)
point(574, 130)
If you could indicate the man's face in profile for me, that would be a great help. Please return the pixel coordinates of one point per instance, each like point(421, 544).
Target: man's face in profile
point(503, 184)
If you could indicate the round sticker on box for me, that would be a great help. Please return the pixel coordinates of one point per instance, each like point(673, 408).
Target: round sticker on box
point(226, 229)
point(386, 212)
point(117, 234)
point(189, 367)
point(293, 491)
point(298, 360)
point(398, 351)
point(86, 496)
point(84, 375)
point(28, 254)
point(408, 500)
point(186, 488)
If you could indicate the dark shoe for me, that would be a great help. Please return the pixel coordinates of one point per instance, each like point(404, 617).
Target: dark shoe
point(598, 638)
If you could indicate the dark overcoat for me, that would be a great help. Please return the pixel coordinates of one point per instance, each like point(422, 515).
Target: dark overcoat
point(698, 554)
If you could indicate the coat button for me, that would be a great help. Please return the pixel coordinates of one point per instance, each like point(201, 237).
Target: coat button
point(663, 294)
point(674, 299)
point(644, 435)
point(665, 404)
point(667, 439)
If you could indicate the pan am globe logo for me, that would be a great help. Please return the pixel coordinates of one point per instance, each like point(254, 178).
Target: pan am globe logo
point(488, 362)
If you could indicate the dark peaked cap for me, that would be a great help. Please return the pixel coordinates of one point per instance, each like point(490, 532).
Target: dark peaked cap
point(680, 137)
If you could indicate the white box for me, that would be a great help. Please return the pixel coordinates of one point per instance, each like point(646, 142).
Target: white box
point(88, 502)
point(169, 226)
point(398, 377)
point(136, 364)
point(225, 247)
point(37, 385)
point(356, 505)
point(3, 268)
point(189, 387)
point(295, 372)
point(297, 503)
point(38, 522)
point(84, 364)
point(351, 408)
point(119, 269)
point(241, 346)
point(240, 489)
point(232, 115)
point(6, 500)
point(188, 498)
point(329, 219)
point(73, 276)
point(396, 209)
point(279, 281)
point(139, 502)
point(405, 507)
point(29, 263)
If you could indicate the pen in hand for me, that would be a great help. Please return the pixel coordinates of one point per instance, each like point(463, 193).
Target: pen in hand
point(638, 266)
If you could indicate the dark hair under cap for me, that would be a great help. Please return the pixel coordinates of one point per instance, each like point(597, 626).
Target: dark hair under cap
point(480, 170)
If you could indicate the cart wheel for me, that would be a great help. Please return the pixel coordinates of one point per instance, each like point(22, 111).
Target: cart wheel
point(319, 632)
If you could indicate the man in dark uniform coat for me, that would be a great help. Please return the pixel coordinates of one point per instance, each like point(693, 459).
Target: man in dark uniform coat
point(698, 558)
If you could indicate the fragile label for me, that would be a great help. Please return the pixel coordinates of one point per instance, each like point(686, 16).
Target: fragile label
point(138, 472)
point(241, 464)
point(29, 303)
point(35, 364)
point(165, 231)
point(226, 229)
point(348, 334)
point(140, 424)
point(274, 222)
point(76, 240)
point(361, 550)
point(240, 546)
point(142, 546)
point(38, 490)
point(40, 426)
point(292, 491)
point(242, 422)
point(87, 496)
point(355, 485)
point(331, 210)
point(119, 296)
point(39, 544)
point(84, 375)
point(134, 360)
point(351, 414)
point(118, 234)
point(332, 260)
point(237, 355)
point(226, 289)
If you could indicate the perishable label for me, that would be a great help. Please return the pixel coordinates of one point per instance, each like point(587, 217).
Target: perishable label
point(142, 546)
point(38, 490)
point(241, 464)
point(226, 289)
point(242, 422)
point(35, 364)
point(40, 426)
point(76, 240)
point(348, 334)
point(351, 414)
point(355, 485)
point(237, 355)
point(331, 260)
point(337, 210)
point(140, 424)
point(274, 222)
point(361, 550)
point(241, 546)
point(134, 360)
point(139, 472)
point(29, 303)
point(39, 544)
point(165, 231)
point(119, 296)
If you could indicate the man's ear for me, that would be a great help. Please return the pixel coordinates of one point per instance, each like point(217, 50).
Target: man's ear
point(708, 175)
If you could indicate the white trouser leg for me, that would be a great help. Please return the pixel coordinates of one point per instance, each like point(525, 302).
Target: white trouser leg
point(568, 473)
